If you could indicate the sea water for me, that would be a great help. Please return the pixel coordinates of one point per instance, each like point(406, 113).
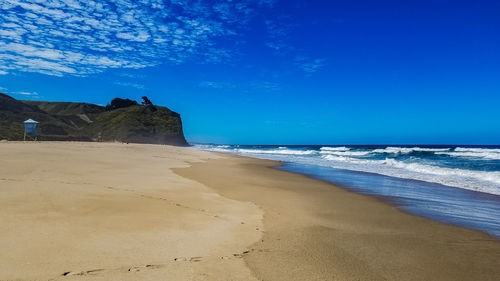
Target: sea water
point(453, 184)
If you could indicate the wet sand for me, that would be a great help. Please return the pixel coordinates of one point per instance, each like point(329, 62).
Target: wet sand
point(93, 211)
point(316, 231)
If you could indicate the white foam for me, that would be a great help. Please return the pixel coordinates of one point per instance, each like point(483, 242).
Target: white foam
point(352, 159)
point(276, 151)
point(405, 150)
point(472, 178)
point(494, 150)
point(429, 149)
point(339, 148)
point(483, 181)
point(338, 158)
point(473, 154)
point(481, 153)
point(346, 153)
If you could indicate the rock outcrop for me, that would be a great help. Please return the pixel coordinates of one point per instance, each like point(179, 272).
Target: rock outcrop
point(128, 122)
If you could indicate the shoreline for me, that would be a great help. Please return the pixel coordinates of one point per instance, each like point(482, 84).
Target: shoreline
point(380, 242)
point(464, 202)
point(112, 211)
point(454, 166)
point(396, 201)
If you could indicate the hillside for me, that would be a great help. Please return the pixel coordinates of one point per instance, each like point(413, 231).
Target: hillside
point(89, 122)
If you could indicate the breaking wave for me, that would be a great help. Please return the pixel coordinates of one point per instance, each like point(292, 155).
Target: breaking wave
point(475, 169)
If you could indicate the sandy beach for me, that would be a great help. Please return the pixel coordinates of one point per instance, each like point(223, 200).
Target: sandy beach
point(112, 211)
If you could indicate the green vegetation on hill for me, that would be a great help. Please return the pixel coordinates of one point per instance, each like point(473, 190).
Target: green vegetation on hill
point(89, 122)
point(66, 108)
point(136, 124)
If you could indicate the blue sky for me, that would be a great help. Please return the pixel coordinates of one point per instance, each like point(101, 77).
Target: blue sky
point(269, 71)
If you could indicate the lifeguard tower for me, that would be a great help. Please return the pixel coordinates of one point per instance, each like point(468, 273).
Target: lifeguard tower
point(30, 129)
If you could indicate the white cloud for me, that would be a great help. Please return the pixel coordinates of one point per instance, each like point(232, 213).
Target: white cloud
point(131, 75)
point(26, 93)
point(309, 65)
point(251, 86)
point(268, 3)
point(217, 85)
point(266, 86)
point(129, 84)
point(3, 72)
point(78, 37)
point(278, 32)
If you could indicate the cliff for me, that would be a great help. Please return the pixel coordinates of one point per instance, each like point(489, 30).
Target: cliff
point(89, 122)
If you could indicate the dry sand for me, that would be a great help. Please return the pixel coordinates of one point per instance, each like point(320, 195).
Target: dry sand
point(91, 211)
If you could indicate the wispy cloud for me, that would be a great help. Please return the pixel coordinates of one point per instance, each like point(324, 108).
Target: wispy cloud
point(278, 32)
point(308, 64)
point(20, 93)
point(3, 72)
point(131, 75)
point(260, 86)
point(31, 94)
point(264, 86)
point(268, 3)
point(129, 84)
point(74, 37)
point(217, 85)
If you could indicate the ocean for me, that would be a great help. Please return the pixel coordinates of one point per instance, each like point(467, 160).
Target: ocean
point(455, 184)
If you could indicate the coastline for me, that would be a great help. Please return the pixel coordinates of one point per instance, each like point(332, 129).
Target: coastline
point(452, 205)
point(109, 211)
point(315, 230)
point(424, 180)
